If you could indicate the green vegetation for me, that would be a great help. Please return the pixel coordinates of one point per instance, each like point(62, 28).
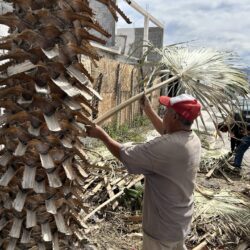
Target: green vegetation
point(133, 197)
point(129, 132)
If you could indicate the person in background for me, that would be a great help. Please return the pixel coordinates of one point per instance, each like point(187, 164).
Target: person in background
point(169, 163)
point(241, 150)
point(235, 133)
point(240, 141)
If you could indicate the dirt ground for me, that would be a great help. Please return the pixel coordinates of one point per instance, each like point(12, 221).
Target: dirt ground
point(120, 229)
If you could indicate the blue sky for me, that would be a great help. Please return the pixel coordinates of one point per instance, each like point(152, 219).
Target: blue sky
point(220, 24)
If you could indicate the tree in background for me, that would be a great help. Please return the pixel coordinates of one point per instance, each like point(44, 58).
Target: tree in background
point(46, 94)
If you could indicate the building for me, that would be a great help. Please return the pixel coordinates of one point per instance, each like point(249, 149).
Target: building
point(130, 40)
point(127, 42)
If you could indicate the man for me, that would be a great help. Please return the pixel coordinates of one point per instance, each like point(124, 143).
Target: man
point(169, 163)
point(240, 140)
point(240, 151)
point(235, 132)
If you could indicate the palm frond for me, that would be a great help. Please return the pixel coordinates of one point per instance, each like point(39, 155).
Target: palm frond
point(230, 211)
point(207, 74)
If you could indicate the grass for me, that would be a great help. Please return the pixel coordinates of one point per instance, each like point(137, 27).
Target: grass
point(129, 132)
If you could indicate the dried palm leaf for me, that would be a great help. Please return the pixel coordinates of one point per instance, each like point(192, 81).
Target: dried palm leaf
point(230, 210)
point(199, 72)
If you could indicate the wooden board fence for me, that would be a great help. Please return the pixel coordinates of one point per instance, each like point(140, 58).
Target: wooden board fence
point(116, 83)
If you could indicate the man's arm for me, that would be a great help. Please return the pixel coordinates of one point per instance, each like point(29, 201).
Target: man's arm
point(151, 114)
point(113, 146)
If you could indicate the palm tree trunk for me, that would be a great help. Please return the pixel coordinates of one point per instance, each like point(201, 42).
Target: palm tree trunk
point(41, 85)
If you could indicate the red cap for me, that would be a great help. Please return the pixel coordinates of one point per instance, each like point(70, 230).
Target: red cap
point(185, 105)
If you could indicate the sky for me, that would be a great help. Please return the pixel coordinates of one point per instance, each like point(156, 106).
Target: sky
point(220, 24)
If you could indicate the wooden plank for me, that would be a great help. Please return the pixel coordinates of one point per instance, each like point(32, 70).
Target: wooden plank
point(211, 171)
point(118, 95)
point(115, 181)
point(121, 183)
point(97, 188)
point(203, 244)
point(110, 192)
point(225, 175)
point(137, 7)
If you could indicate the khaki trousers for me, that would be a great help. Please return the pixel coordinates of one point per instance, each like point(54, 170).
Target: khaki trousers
point(150, 243)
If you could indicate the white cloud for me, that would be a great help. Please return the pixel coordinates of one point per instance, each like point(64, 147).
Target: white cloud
point(222, 24)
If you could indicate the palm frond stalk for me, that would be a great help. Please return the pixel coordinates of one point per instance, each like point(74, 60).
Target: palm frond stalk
point(207, 74)
point(225, 213)
point(46, 93)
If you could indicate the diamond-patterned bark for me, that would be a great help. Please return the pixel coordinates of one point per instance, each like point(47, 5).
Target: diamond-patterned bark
point(46, 93)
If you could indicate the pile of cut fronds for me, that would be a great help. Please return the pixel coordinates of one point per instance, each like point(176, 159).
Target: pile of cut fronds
point(226, 214)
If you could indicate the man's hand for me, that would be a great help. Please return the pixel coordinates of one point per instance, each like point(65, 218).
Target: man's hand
point(95, 132)
point(145, 103)
point(151, 114)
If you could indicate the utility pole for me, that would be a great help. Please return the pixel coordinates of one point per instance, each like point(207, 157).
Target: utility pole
point(147, 18)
